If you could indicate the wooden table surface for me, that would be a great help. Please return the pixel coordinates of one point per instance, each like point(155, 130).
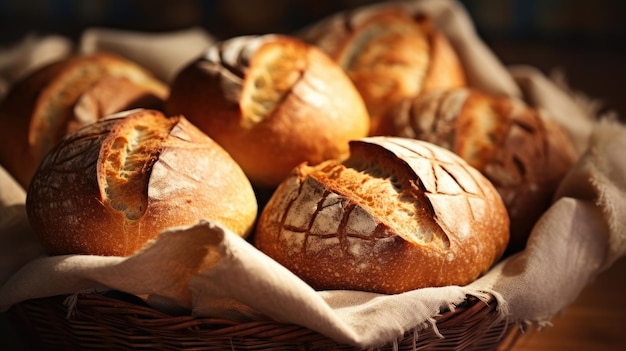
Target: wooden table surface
point(596, 321)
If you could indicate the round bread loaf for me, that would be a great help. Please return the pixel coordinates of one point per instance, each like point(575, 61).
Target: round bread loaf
point(399, 214)
point(389, 53)
point(115, 184)
point(272, 102)
point(517, 147)
point(63, 96)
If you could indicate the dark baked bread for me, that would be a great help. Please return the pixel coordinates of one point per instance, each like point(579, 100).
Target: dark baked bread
point(272, 102)
point(115, 184)
point(389, 53)
point(517, 147)
point(63, 96)
point(398, 215)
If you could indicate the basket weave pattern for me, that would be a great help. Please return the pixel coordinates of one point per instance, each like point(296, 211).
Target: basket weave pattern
point(99, 322)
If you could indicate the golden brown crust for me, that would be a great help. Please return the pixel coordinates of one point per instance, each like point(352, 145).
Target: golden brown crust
point(446, 70)
point(523, 153)
point(110, 95)
point(40, 109)
point(114, 185)
point(390, 54)
point(272, 102)
point(398, 215)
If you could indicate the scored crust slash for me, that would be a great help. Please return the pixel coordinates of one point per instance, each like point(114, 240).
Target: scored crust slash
point(114, 185)
point(271, 101)
point(397, 215)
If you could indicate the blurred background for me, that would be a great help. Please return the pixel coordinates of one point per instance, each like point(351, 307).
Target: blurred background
point(587, 22)
point(584, 39)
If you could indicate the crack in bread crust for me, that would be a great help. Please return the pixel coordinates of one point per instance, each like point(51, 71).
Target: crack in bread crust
point(277, 68)
point(382, 55)
point(257, 72)
point(362, 192)
point(397, 215)
point(133, 149)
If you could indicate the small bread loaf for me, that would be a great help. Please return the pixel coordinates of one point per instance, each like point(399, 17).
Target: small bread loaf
point(397, 215)
point(517, 147)
point(272, 102)
point(115, 184)
point(63, 96)
point(389, 53)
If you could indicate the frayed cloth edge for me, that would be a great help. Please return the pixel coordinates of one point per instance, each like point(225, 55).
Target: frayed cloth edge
point(71, 301)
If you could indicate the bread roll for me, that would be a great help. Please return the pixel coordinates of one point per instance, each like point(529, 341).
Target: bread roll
point(389, 53)
point(113, 185)
point(64, 96)
point(272, 102)
point(397, 215)
point(517, 147)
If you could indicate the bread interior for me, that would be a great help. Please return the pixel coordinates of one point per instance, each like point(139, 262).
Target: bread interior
point(275, 70)
point(58, 101)
point(50, 118)
point(388, 54)
point(129, 153)
point(385, 187)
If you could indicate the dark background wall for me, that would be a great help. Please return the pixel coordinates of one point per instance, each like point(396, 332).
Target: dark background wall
point(586, 39)
point(562, 20)
point(593, 22)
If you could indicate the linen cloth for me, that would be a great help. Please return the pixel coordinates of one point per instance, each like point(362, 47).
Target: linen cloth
point(209, 271)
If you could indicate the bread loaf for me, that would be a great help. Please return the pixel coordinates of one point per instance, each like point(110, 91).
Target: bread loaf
point(272, 102)
point(115, 184)
point(63, 96)
point(517, 147)
point(397, 215)
point(389, 53)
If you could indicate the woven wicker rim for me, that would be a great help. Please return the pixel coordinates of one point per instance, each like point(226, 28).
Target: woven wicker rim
point(100, 321)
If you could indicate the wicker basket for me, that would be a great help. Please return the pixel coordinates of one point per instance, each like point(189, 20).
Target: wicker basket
point(117, 321)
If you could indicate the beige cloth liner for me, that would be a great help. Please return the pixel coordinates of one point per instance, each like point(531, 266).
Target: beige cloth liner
point(215, 273)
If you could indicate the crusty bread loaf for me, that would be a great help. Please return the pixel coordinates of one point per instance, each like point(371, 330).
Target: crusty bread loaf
point(399, 214)
point(389, 53)
point(517, 147)
point(272, 102)
point(115, 184)
point(64, 96)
